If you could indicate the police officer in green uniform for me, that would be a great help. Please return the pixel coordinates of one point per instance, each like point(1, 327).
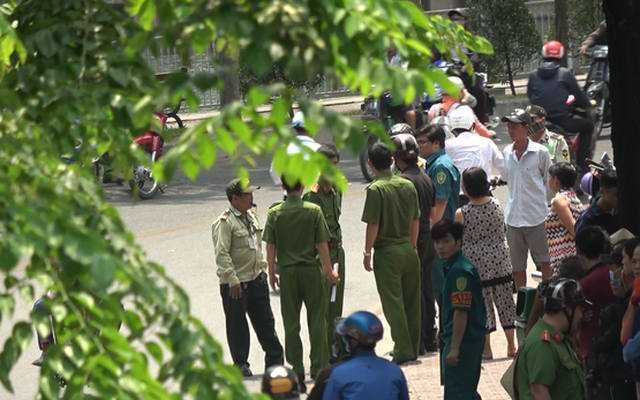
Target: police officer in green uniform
point(464, 315)
point(548, 367)
point(392, 214)
point(296, 231)
point(329, 199)
point(446, 179)
point(237, 241)
point(555, 143)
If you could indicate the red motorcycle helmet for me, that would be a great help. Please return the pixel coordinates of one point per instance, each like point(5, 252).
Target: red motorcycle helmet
point(553, 49)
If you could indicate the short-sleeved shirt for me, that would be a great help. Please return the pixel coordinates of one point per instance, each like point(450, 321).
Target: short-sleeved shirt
point(367, 376)
point(446, 179)
point(329, 199)
point(557, 146)
point(295, 227)
point(548, 359)
point(426, 194)
point(391, 202)
point(462, 290)
point(594, 216)
point(597, 290)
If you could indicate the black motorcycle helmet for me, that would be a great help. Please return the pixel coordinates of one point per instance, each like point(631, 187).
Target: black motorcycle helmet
point(281, 383)
point(562, 294)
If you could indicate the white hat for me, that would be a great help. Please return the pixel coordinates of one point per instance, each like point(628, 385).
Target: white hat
point(462, 118)
point(298, 120)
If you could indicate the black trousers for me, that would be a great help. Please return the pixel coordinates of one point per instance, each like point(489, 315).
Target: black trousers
point(254, 302)
point(426, 253)
point(573, 126)
point(477, 91)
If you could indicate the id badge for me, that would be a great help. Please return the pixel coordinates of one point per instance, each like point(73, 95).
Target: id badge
point(252, 245)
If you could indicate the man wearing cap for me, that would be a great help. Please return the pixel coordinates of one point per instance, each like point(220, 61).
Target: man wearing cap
point(527, 164)
point(304, 139)
point(548, 367)
point(555, 143)
point(237, 241)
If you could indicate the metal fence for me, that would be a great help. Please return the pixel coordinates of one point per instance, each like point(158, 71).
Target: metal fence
point(168, 60)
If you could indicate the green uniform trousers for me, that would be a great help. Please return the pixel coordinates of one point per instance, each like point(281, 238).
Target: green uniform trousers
point(335, 308)
point(255, 303)
point(298, 285)
point(461, 382)
point(397, 272)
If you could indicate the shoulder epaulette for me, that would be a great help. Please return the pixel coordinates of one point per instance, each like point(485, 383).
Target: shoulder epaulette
point(546, 336)
point(225, 215)
point(314, 188)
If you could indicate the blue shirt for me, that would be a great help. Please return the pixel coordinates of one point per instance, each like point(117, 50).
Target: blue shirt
point(463, 291)
point(594, 216)
point(365, 377)
point(446, 179)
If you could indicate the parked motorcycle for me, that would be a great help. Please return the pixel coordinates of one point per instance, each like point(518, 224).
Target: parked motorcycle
point(153, 144)
point(597, 87)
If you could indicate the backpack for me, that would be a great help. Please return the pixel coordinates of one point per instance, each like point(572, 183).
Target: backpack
point(443, 120)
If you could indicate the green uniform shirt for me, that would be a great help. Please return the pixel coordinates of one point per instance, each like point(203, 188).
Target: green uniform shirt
point(392, 202)
point(547, 358)
point(237, 243)
point(295, 227)
point(557, 146)
point(329, 199)
point(462, 290)
point(446, 179)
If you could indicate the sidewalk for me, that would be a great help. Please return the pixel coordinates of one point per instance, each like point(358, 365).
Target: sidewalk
point(423, 375)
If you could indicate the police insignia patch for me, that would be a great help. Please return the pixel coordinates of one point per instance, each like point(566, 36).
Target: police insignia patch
point(441, 177)
point(461, 283)
point(565, 154)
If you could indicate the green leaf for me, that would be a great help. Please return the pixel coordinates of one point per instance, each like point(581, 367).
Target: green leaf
point(155, 351)
point(147, 14)
point(207, 152)
point(121, 76)
point(351, 26)
point(46, 43)
point(190, 166)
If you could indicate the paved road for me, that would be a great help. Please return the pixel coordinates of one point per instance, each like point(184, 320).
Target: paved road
point(174, 229)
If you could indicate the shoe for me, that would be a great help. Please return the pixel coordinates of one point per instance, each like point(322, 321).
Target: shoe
point(401, 362)
point(39, 361)
point(301, 384)
point(246, 371)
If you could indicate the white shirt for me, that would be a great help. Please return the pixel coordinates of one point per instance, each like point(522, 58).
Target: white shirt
point(471, 150)
point(294, 148)
point(527, 179)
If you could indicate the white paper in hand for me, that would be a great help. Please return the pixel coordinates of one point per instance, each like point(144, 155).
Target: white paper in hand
point(334, 288)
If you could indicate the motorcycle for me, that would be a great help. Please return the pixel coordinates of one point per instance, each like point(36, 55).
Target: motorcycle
point(597, 87)
point(573, 140)
point(153, 144)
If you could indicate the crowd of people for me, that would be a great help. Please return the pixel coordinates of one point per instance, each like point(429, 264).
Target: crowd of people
point(437, 239)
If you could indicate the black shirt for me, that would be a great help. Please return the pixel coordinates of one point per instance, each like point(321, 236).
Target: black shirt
point(426, 194)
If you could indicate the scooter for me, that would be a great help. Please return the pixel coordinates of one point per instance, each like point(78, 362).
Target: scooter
point(597, 87)
point(153, 144)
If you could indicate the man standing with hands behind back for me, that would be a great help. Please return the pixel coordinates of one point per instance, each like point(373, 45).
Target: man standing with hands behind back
point(237, 241)
point(527, 165)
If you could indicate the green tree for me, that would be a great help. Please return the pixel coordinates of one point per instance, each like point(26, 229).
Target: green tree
point(72, 70)
point(510, 28)
point(584, 17)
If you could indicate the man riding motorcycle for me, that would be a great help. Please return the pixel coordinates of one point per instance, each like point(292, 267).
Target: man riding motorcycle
point(549, 87)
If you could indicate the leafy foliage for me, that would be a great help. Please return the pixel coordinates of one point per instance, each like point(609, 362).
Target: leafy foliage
point(74, 73)
point(510, 27)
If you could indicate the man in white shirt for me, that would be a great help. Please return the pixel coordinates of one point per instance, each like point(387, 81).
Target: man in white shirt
point(304, 139)
point(527, 165)
point(468, 149)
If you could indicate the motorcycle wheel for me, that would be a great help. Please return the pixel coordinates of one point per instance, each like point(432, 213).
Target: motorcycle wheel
point(598, 114)
point(367, 172)
point(147, 187)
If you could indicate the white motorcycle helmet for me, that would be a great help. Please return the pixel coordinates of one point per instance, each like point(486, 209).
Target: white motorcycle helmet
point(462, 118)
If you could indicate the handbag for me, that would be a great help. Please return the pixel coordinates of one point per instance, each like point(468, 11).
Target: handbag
point(509, 380)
